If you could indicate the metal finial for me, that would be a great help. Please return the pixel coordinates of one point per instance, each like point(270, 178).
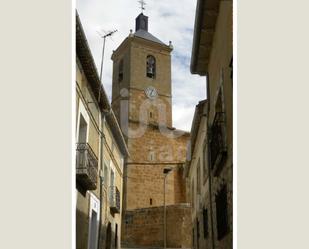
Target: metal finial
point(171, 45)
point(143, 3)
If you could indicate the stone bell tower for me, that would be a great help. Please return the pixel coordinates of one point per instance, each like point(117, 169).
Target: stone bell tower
point(142, 66)
point(142, 102)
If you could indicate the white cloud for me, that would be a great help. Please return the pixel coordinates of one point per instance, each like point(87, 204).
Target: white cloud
point(168, 20)
point(183, 116)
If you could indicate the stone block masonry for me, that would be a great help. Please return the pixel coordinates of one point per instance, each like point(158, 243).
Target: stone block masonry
point(144, 227)
point(153, 143)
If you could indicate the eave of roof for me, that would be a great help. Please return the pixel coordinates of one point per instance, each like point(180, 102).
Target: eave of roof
point(112, 121)
point(147, 36)
point(120, 48)
point(204, 28)
point(85, 57)
point(199, 112)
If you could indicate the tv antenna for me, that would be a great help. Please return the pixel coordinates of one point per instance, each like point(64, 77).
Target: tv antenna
point(106, 34)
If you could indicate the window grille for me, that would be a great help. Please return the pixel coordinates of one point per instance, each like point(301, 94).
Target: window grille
point(205, 222)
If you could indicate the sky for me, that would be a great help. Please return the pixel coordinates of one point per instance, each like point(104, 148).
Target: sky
point(171, 20)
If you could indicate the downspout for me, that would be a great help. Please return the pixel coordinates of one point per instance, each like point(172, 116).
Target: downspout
point(101, 176)
point(208, 164)
point(210, 198)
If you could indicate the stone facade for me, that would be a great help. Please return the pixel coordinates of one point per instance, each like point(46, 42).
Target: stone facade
point(133, 52)
point(143, 227)
point(100, 153)
point(198, 179)
point(212, 156)
point(152, 141)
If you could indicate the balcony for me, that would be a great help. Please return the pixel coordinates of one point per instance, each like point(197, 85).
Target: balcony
point(217, 143)
point(86, 166)
point(114, 199)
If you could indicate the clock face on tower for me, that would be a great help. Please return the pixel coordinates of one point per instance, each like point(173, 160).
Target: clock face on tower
point(151, 92)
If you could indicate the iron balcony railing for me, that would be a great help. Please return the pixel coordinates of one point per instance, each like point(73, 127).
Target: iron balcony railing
point(114, 199)
point(86, 166)
point(217, 143)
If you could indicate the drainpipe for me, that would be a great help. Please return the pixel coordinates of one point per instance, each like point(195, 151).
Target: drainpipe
point(208, 164)
point(210, 200)
point(101, 177)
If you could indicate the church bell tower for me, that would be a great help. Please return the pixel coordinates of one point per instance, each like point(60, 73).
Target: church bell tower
point(142, 103)
point(142, 76)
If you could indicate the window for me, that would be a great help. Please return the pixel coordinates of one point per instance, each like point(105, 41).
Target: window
point(151, 67)
point(192, 194)
point(94, 214)
point(217, 140)
point(197, 233)
point(93, 230)
point(106, 174)
point(120, 71)
point(205, 170)
point(151, 156)
point(116, 236)
point(221, 213)
point(205, 222)
point(82, 134)
point(128, 219)
point(112, 180)
point(150, 201)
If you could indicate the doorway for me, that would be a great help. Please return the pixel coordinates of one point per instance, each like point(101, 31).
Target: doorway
point(108, 236)
point(93, 230)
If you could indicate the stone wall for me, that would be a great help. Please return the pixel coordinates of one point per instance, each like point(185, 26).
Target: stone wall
point(144, 227)
point(142, 109)
point(220, 78)
point(144, 178)
point(165, 149)
point(220, 100)
point(146, 182)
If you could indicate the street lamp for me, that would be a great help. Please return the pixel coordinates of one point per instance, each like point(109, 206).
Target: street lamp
point(165, 172)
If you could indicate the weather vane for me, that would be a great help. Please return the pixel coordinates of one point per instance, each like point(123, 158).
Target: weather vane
point(143, 3)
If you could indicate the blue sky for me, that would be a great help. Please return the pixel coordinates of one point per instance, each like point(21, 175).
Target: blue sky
point(169, 21)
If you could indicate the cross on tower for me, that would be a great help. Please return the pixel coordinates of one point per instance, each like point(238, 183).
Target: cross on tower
point(143, 3)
